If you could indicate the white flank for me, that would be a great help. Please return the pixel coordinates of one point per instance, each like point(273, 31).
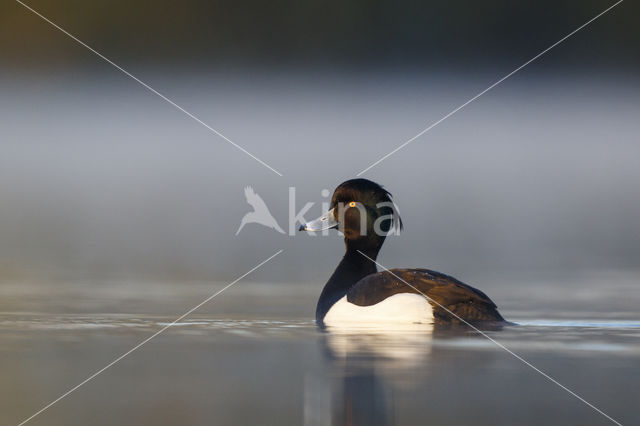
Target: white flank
point(402, 308)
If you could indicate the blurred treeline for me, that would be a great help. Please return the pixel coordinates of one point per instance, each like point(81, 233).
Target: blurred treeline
point(442, 34)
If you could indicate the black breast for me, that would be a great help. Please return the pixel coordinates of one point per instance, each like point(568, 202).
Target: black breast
point(466, 302)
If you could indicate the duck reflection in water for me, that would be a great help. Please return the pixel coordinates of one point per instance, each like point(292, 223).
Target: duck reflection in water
point(368, 371)
point(364, 368)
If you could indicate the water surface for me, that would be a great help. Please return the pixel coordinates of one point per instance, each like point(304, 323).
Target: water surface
point(253, 355)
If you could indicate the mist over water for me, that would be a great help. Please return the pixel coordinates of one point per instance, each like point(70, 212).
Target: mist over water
point(101, 177)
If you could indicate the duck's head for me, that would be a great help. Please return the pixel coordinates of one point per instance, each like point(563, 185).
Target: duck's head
point(362, 210)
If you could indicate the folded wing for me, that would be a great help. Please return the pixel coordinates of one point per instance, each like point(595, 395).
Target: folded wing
point(441, 290)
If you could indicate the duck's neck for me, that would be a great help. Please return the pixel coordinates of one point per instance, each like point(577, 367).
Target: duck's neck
point(351, 269)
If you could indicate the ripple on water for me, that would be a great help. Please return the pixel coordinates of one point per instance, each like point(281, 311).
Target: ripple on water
point(582, 336)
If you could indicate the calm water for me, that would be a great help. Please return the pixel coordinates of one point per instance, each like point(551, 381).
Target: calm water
point(254, 356)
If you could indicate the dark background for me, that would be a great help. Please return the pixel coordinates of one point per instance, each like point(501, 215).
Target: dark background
point(367, 34)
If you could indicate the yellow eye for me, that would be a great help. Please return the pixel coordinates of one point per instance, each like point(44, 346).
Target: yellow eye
point(352, 204)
